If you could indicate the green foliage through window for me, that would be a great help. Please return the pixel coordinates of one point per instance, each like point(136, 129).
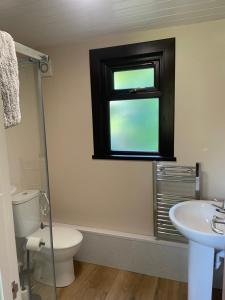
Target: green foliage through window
point(140, 78)
point(134, 125)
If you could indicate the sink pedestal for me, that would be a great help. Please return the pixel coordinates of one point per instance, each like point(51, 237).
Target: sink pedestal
point(200, 271)
point(193, 219)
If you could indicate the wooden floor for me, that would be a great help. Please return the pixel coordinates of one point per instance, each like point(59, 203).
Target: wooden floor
point(94, 282)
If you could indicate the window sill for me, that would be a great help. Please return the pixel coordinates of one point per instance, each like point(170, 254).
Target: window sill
point(135, 157)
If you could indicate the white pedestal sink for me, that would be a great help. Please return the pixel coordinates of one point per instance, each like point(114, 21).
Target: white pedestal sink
point(193, 220)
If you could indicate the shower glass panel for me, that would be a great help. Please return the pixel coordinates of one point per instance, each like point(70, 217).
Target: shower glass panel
point(1, 290)
point(28, 174)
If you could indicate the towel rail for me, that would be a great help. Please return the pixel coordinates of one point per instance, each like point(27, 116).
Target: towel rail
point(167, 195)
point(172, 184)
point(177, 180)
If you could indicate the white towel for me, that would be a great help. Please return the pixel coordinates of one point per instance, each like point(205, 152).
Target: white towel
point(9, 80)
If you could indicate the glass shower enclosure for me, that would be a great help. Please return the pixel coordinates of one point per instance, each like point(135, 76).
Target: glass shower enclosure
point(28, 169)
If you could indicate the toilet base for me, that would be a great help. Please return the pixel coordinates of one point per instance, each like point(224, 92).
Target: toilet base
point(67, 242)
point(64, 272)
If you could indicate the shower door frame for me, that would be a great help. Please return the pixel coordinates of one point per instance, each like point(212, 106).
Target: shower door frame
point(8, 255)
point(40, 58)
point(31, 53)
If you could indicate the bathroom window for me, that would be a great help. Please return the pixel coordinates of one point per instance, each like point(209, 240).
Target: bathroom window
point(133, 100)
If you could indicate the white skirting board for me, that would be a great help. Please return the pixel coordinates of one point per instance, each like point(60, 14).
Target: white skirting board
point(132, 252)
point(136, 253)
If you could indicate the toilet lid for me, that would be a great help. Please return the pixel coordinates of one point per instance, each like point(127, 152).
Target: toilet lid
point(24, 196)
point(63, 237)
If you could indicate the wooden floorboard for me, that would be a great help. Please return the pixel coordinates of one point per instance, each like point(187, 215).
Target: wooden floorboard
point(94, 282)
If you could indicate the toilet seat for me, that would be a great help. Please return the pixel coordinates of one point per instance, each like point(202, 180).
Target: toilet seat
point(63, 237)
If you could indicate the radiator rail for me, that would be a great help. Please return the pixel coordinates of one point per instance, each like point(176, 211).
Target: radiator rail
point(172, 184)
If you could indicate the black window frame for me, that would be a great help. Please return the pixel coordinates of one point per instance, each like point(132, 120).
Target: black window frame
point(103, 62)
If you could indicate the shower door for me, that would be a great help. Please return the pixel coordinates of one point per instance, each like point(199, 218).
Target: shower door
point(8, 259)
point(27, 160)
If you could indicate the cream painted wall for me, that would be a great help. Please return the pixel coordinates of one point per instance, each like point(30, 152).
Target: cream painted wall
point(26, 161)
point(117, 195)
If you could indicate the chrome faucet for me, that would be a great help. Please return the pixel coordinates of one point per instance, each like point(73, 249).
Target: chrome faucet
point(216, 219)
point(220, 208)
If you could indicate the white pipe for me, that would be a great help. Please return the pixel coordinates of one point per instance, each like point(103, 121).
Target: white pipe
point(21, 49)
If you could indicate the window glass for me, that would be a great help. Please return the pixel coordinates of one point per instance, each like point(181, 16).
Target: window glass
point(134, 125)
point(140, 78)
point(133, 100)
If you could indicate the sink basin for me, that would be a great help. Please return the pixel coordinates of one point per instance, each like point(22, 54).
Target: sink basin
point(193, 220)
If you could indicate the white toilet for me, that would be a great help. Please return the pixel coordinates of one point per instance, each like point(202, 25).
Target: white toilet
point(66, 240)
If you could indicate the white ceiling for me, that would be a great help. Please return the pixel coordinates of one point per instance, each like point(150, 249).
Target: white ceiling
point(50, 22)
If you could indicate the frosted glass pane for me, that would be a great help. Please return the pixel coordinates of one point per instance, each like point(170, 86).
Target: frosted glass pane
point(134, 125)
point(141, 78)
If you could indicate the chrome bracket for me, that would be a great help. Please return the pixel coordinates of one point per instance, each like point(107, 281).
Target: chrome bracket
point(45, 208)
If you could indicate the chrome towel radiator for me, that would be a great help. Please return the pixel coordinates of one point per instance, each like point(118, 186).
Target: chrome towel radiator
point(172, 184)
